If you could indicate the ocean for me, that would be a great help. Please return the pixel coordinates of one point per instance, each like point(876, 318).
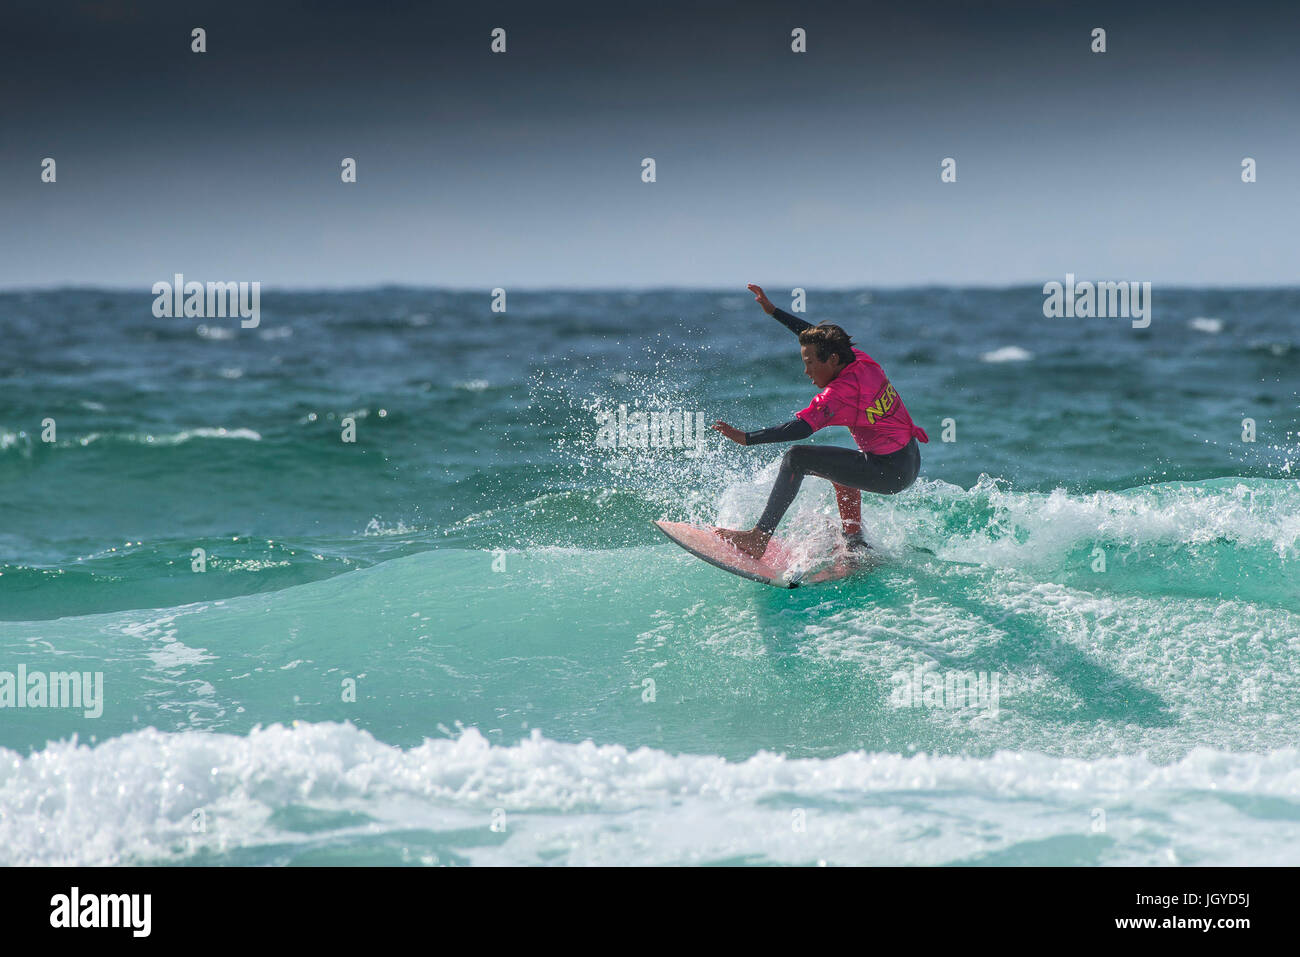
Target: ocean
point(457, 638)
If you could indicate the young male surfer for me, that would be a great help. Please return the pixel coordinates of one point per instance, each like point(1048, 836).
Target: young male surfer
point(855, 393)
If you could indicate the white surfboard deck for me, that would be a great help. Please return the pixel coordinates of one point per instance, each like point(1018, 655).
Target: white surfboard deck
point(777, 566)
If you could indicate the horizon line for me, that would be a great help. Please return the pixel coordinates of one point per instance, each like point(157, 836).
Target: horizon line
point(640, 289)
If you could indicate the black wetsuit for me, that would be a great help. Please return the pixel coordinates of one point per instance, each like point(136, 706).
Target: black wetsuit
point(883, 474)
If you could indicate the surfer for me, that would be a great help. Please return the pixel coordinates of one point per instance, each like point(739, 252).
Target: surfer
point(855, 393)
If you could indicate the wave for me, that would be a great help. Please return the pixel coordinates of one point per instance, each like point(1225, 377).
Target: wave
point(331, 793)
point(25, 442)
point(1153, 620)
point(1232, 537)
point(991, 523)
point(186, 435)
point(1000, 526)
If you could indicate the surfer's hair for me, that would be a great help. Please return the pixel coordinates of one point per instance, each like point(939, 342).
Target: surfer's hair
point(828, 340)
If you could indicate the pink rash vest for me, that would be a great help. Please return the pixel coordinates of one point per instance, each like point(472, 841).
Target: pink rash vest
point(862, 398)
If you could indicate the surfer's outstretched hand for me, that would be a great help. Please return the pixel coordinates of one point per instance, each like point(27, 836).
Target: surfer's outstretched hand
point(761, 298)
point(730, 431)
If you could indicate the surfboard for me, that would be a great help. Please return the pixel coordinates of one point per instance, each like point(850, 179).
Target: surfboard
point(777, 567)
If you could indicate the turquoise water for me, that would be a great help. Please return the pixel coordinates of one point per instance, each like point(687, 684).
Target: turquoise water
point(459, 639)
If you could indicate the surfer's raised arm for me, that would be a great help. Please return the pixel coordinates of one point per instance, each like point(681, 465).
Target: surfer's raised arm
point(791, 431)
point(793, 323)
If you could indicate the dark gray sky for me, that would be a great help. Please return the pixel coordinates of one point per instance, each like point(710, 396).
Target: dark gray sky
point(523, 169)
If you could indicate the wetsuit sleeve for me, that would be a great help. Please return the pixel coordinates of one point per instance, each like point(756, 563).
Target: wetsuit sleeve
point(793, 323)
point(792, 431)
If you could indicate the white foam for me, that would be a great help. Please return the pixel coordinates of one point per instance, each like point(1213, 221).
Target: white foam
point(177, 438)
point(1007, 354)
point(375, 527)
point(215, 333)
point(135, 798)
point(1035, 528)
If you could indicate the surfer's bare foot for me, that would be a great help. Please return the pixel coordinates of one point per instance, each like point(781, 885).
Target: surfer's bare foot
point(751, 542)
